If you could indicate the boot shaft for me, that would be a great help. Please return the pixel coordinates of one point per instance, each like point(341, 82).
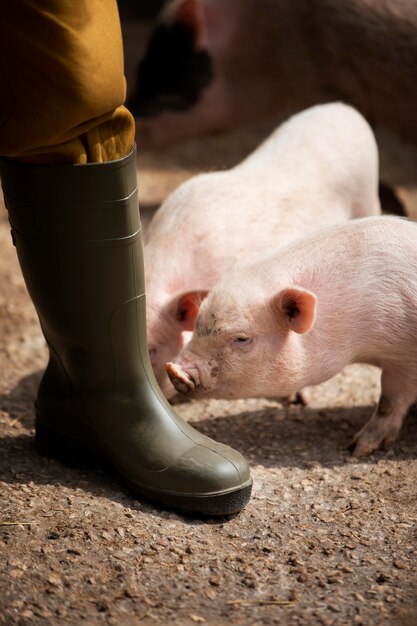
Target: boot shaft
point(78, 237)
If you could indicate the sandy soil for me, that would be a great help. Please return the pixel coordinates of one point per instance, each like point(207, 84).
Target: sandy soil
point(325, 539)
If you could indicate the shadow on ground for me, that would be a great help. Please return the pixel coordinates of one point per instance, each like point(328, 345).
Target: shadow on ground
point(271, 437)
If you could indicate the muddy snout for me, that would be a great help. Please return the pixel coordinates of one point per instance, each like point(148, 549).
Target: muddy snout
point(182, 381)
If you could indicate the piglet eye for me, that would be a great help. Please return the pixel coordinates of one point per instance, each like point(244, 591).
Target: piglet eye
point(242, 340)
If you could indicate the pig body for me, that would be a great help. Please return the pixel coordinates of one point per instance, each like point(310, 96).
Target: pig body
point(296, 318)
point(317, 169)
point(219, 64)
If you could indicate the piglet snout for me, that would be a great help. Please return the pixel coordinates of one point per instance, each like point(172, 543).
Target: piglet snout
point(182, 381)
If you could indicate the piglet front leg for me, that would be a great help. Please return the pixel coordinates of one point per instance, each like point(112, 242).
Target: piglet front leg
point(398, 392)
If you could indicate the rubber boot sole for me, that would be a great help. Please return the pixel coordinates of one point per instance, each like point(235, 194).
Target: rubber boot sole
point(70, 452)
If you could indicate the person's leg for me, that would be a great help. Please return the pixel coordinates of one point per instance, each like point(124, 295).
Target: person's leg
point(63, 85)
point(77, 232)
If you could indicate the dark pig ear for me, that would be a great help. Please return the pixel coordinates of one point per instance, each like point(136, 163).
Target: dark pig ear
point(177, 65)
point(297, 306)
point(187, 308)
point(190, 14)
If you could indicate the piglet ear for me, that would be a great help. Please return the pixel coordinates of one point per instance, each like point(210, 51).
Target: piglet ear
point(298, 307)
point(190, 14)
point(187, 308)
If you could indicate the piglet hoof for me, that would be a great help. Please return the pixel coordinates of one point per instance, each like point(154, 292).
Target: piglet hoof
point(361, 446)
point(372, 437)
point(358, 449)
point(300, 398)
point(182, 382)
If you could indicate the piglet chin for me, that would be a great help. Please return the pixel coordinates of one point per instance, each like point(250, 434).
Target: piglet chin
point(182, 381)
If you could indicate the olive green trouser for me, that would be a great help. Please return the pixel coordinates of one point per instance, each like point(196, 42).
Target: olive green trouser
point(62, 82)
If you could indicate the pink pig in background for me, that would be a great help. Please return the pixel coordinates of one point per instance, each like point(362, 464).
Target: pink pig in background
point(296, 318)
point(319, 168)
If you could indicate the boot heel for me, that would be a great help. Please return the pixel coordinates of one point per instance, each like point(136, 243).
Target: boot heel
point(57, 446)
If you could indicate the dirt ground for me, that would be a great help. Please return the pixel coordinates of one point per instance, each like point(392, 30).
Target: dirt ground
point(325, 539)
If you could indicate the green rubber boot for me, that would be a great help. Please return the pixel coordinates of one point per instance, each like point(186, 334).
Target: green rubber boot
point(78, 237)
